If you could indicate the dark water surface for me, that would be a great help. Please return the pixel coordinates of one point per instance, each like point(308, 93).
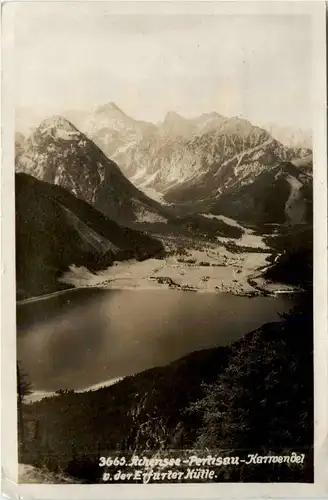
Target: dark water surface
point(85, 337)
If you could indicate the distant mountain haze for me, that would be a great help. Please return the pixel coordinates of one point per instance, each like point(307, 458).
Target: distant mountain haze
point(19, 144)
point(290, 137)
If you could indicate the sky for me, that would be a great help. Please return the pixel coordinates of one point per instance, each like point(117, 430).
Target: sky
point(78, 56)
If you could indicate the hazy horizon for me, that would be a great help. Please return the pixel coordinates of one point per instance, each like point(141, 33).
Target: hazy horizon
point(78, 56)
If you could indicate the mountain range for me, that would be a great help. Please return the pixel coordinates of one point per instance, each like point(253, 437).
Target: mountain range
point(181, 150)
point(209, 163)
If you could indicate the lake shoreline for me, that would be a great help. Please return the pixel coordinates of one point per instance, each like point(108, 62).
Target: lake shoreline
point(253, 285)
point(205, 270)
point(259, 291)
point(115, 335)
point(39, 298)
point(190, 264)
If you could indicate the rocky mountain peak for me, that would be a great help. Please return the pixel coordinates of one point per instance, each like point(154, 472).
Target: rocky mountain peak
point(59, 122)
point(56, 127)
point(172, 116)
point(58, 153)
point(176, 125)
point(109, 108)
point(210, 116)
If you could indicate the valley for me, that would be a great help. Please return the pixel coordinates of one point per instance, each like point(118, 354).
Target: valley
point(200, 195)
point(190, 264)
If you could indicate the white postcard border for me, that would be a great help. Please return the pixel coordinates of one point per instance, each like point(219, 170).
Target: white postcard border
point(8, 327)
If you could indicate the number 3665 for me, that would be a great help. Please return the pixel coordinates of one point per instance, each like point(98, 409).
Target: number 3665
point(109, 461)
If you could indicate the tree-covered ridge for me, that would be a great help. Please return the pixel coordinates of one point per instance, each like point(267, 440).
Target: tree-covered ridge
point(55, 229)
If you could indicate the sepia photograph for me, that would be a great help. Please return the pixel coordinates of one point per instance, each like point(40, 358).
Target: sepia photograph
point(164, 243)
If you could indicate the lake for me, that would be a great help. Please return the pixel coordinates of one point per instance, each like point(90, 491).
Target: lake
point(84, 337)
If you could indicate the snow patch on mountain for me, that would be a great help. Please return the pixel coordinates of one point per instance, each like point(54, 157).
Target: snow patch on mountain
point(66, 135)
point(56, 123)
point(227, 220)
point(154, 195)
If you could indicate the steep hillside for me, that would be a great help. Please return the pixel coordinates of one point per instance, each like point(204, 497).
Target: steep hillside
point(58, 153)
point(282, 194)
point(234, 154)
point(203, 163)
point(226, 166)
point(305, 162)
point(292, 256)
point(207, 399)
point(55, 229)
